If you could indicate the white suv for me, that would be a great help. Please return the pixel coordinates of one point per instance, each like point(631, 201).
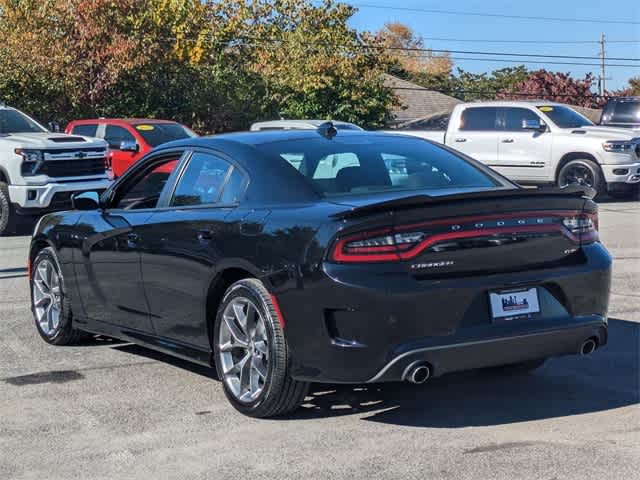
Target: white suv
point(41, 170)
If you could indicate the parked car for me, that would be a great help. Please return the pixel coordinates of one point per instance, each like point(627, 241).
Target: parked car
point(622, 112)
point(129, 139)
point(39, 169)
point(300, 125)
point(330, 271)
point(542, 142)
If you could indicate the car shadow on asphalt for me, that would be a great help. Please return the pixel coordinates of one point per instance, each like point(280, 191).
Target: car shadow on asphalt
point(564, 386)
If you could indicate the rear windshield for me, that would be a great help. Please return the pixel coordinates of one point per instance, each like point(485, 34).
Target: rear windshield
point(158, 133)
point(372, 164)
point(627, 112)
point(12, 121)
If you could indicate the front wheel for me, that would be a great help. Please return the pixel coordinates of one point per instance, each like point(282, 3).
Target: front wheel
point(7, 212)
point(251, 353)
point(50, 306)
point(582, 172)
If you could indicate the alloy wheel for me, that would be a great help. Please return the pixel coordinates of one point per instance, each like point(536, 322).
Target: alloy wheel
point(243, 349)
point(47, 297)
point(578, 175)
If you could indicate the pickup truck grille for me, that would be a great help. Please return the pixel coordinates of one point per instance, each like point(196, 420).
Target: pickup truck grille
point(73, 168)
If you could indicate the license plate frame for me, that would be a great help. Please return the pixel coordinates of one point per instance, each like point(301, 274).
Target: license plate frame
point(510, 304)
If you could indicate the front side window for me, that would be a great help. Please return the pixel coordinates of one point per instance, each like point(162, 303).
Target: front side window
point(514, 117)
point(115, 135)
point(201, 182)
point(479, 119)
point(359, 165)
point(86, 130)
point(13, 121)
point(144, 189)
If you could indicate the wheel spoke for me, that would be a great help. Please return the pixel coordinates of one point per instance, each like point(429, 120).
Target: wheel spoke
point(260, 368)
point(237, 334)
point(42, 276)
point(42, 302)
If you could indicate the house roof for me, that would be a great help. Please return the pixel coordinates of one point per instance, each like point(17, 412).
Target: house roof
point(416, 101)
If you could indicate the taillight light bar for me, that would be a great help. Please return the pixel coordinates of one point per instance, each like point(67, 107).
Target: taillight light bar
point(407, 241)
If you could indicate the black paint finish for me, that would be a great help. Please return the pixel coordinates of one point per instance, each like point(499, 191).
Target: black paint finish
point(148, 275)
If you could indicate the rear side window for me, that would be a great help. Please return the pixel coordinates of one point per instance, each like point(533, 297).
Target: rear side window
point(234, 188)
point(202, 181)
point(513, 118)
point(115, 135)
point(479, 119)
point(360, 165)
point(87, 130)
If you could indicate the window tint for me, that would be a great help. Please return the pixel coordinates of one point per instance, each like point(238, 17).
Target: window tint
point(479, 119)
point(201, 181)
point(115, 135)
point(88, 130)
point(513, 118)
point(358, 165)
point(144, 190)
point(564, 117)
point(13, 121)
point(622, 112)
point(158, 133)
point(234, 187)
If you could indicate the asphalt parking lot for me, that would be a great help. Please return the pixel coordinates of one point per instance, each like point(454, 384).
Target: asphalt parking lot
point(113, 410)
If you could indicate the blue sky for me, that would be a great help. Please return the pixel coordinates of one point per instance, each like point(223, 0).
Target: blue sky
point(467, 27)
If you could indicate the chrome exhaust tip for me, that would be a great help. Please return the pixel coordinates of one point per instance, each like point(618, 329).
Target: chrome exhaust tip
point(418, 374)
point(588, 347)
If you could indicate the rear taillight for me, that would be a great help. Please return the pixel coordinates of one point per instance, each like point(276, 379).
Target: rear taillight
point(407, 241)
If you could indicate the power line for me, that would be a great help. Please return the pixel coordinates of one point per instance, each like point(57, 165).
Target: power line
point(494, 15)
point(536, 42)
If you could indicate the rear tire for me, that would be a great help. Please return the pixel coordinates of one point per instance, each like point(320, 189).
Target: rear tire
point(582, 172)
point(251, 353)
point(49, 303)
point(7, 212)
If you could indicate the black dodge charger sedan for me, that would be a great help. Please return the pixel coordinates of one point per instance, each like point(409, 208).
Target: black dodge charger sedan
point(290, 257)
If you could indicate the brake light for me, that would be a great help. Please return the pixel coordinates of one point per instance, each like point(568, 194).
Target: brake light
point(407, 241)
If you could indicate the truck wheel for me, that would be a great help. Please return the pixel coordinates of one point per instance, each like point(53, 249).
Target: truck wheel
point(582, 172)
point(7, 213)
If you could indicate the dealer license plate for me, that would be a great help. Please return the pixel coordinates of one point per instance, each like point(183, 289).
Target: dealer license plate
point(514, 303)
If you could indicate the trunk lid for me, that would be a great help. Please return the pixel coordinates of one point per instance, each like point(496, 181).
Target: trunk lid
point(479, 232)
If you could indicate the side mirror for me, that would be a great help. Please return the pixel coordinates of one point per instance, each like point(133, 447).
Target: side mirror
point(54, 127)
point(85, 201)
point(129, 146)
point(533, 125)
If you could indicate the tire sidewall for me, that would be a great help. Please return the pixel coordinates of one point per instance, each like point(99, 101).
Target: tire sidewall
point(598, 178)
point(5, 209)
point(247, 290)
point(65, 311)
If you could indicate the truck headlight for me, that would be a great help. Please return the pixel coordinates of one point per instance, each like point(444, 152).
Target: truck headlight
point(618, 146)
point(32, 160)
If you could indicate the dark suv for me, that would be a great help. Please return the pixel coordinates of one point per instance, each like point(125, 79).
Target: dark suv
point(621, 112)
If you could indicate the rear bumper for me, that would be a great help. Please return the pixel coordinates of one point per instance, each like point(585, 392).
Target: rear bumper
point(369, 328)
point(452, 355)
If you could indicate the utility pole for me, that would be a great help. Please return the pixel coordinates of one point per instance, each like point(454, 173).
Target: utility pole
point(602, 71)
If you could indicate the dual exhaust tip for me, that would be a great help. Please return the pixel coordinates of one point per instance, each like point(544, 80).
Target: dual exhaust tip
point(419, 373)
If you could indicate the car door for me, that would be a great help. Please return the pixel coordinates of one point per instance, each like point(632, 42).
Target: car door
point(523, 155)
point(183, 243)
point(121, 160)
point(477, 134)
point(108, 273)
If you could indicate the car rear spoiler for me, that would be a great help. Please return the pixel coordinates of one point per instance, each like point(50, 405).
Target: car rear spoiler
point(572, 191)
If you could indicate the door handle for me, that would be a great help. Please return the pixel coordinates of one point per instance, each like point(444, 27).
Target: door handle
point(204, 235)
point(461, 140)
point(507, 140)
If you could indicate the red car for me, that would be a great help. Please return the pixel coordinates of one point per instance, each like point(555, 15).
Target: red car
point(129, 139)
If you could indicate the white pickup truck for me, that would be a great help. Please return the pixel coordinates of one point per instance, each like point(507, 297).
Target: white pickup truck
point(40, 170)
point(542, 142)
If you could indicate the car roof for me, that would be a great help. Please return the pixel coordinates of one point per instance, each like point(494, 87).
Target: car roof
point(513, 103)
point(128, 121)
point(298, 124)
